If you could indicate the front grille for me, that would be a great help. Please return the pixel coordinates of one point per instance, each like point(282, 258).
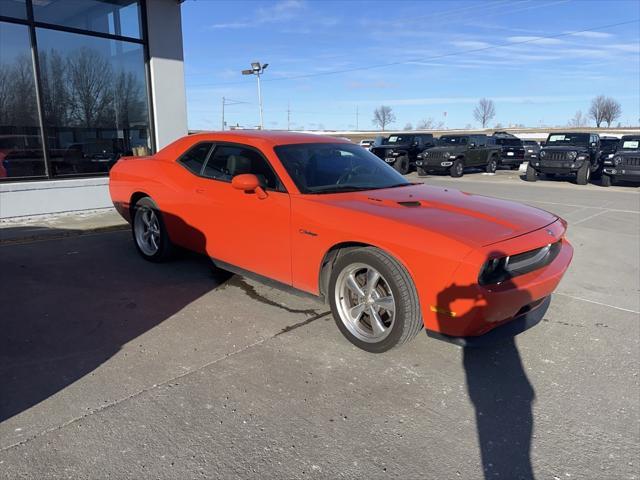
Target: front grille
point(499, 270)
point(631, 161)
point(556, 156)
point(437, 156)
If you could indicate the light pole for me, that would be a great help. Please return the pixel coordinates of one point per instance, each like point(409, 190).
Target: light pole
point(257, 69)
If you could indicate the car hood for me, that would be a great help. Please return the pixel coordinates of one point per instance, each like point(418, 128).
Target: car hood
point(565, 148)
point(472, 219)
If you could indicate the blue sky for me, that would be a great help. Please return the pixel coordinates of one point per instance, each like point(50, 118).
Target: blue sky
point(445, 55)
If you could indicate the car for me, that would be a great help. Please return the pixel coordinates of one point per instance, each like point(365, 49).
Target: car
point(513, 151)
point(454, 153)
point(567, 153)
point(624, 163)
point(401, 150)
point(366, 143)
point(531, 149)
point(314, 214)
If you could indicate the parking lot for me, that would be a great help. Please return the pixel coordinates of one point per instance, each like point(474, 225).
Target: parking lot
point(113, 367)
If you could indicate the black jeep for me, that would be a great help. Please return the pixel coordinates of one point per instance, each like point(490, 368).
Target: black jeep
point(568, 153)
point(455, 152)
point(512, 149)
point(401, 150)
point(624, 163)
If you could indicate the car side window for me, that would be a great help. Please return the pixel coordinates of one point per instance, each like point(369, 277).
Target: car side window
point(195, 158)
point(227, 161)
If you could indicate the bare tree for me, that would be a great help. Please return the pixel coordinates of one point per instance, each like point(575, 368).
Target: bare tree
point(612, 111)
point(408, 126)
point(484, 111)
point(383, 116)
point(55, 94)
point(596, 111)
point(429, 124)
point(90, 78)
point(578, 120)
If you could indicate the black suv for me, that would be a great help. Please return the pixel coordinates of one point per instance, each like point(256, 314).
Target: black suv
point(567, 153)
point(512, 149)
point(624, 163)
point(401, 150)
point(455, 152)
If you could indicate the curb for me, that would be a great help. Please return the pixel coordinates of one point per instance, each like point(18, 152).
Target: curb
point(60, 234)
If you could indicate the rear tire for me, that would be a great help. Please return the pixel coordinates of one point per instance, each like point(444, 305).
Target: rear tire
point(583, 174)
point(402, 165)
point(373, 300)
point(606, 180)
point(457, 169)
point(531, 175)
point(492, 166)
point(149, 232)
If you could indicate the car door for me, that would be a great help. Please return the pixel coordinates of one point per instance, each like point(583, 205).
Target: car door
point(475, 154)
point(243, 229)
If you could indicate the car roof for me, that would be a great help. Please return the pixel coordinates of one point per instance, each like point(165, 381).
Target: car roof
point(267, 137)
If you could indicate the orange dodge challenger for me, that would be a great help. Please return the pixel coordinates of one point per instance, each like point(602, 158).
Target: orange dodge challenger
point(327, 217)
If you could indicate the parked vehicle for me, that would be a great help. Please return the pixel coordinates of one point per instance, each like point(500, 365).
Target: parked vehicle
point(454, 153)
point(513, 151)
point(567, 153)
point(366, 143)
point(313, 213)
point(624, 163)
point(531, 149)
point(401, 150)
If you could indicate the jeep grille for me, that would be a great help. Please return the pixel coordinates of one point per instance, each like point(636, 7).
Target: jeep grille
point(631, 161)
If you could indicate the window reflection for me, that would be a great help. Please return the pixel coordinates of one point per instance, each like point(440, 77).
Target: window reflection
point(117, 17)
point(13, 8)
point(21, 152)
point(94, 101)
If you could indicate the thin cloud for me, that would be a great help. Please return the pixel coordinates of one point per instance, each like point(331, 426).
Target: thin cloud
point(538, 40)
point(282, 11)
point(596, 35)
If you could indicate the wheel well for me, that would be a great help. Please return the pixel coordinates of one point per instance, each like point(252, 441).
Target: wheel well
point(134, 199)
point(329, 260)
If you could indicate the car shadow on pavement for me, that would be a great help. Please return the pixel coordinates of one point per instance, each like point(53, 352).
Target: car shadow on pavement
point(498, 387)
point(69, 305)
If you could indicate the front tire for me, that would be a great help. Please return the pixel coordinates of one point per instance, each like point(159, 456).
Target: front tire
point(373, 300)
point(421, 172)
point(402, 165)
point(457, 169)
point(584, 174)
point(606, 180)
point(531, 175)
point(149, 231)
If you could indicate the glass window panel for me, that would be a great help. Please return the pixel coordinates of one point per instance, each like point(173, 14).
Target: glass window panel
point(117, 17)
point(21, 153)
point(13, 8)
point(94, 101)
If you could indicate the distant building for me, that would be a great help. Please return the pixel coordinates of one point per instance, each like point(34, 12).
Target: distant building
point(83, 83)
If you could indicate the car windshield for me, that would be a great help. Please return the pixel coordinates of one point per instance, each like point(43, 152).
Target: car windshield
point(556, 139)
point(609, 143)
point(453, 140)
point(630, 143)
point(336, 167)
point(510, 142)
point(398, 140)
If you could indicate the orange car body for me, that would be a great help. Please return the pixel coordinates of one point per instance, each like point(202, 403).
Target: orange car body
point(440, 235)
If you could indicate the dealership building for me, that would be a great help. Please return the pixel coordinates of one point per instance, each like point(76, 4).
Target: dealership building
point(82, 83)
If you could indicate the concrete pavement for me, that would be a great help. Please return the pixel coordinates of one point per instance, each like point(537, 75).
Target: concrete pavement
point(112, 367)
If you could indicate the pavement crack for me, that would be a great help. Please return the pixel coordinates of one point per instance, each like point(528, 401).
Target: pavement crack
point(302, 324)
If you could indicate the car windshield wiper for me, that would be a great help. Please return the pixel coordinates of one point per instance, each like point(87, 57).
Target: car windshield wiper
point(341, 188)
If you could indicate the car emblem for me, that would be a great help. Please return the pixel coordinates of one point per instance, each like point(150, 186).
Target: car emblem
point(550, 232)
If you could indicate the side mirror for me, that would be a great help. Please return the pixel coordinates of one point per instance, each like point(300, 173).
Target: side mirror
point(248, 183)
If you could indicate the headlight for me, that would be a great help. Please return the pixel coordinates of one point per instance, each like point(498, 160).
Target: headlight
point(493, 271)
point(543, 153)
point(395, 154)
point(617, 160)
point(425, 154)
point(582, 157)
point(572, 155)
point(529, 151)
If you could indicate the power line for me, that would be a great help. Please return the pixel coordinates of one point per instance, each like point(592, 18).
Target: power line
point(434, 57)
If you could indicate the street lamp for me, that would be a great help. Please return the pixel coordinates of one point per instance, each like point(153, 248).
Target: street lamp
point(257, 69)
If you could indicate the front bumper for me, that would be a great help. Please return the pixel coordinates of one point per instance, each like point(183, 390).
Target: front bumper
point(623, 172)
point(557, 167)
point(519, 324)
point(441, 165)
point(511, 160)
point(467, 309)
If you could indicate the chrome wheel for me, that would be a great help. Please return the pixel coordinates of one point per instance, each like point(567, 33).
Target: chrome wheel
point(147, 230)
point(365, 302)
